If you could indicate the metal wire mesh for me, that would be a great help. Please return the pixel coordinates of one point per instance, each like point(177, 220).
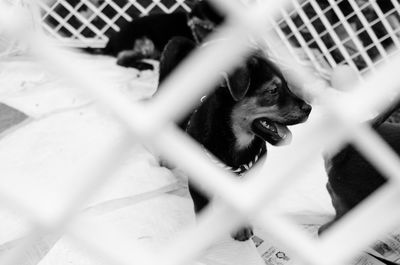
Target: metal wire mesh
point(152, 124)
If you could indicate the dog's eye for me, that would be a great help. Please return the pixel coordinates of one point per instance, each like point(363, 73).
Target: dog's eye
point(273, 88)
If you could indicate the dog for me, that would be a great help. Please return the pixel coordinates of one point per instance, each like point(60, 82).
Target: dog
point(251, 106)
point(146, 37)
point(351, 178)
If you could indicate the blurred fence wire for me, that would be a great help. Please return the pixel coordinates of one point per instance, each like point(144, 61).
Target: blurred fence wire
point(325, 33)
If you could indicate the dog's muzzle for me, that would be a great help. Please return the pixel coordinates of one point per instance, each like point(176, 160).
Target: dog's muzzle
point(271, 132)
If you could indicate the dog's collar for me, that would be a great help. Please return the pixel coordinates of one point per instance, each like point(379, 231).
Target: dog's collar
point(240, 169)
point(203, 98)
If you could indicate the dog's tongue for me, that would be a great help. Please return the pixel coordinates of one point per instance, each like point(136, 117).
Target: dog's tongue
point(273, 133)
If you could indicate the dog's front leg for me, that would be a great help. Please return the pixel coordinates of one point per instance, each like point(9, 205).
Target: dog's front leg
point(200, 201)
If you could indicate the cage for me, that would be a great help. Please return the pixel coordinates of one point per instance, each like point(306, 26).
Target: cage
point(77, 138)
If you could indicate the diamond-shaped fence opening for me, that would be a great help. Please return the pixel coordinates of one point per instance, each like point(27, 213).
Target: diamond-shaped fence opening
point(151, 123)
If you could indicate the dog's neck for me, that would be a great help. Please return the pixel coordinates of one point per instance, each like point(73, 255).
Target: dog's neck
point(239, 122)
point(211, 125)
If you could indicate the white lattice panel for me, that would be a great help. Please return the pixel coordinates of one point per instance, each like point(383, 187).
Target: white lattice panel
point(330, 32)
point(87, 23)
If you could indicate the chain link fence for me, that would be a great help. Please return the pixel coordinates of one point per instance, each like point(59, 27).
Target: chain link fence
point(322, 34)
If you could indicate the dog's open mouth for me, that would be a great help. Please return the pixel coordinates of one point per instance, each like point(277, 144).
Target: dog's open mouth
point(272, 132)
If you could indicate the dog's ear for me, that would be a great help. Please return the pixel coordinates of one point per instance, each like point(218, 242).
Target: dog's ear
point(173, 54)
point(238, 82)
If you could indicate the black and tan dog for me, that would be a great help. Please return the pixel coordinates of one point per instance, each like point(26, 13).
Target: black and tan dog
point(251, 106)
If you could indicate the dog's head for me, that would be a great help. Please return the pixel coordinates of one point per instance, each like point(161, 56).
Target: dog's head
point(264, 104)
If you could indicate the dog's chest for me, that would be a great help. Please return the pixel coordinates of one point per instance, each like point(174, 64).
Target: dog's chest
point(212, 125)
point(243, 138)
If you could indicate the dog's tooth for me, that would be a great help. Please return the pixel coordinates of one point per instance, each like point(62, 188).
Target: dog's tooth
point(265, 124)
point(268, 126)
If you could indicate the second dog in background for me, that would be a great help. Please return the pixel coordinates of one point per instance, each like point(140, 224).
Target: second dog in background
point(146, 37)
point(351, 177)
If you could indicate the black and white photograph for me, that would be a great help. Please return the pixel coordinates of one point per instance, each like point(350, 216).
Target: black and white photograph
point(205, 132)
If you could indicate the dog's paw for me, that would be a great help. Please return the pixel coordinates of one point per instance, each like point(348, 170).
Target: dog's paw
point(243, 234)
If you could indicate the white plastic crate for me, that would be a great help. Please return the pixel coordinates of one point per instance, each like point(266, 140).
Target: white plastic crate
point(360, 33)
